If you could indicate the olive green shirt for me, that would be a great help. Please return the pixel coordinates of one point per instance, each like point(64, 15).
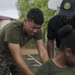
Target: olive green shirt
point(13, 33)
point(49, 68)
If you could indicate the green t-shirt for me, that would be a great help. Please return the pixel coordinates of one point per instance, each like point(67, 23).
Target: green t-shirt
point(49, 68)
point(13, 33)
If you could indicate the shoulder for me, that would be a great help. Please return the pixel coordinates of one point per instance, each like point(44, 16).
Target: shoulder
point(55, 18)
point(52, 22)
point(46, 65)
point(44, 69)
point(13, 25)
point(12, 28)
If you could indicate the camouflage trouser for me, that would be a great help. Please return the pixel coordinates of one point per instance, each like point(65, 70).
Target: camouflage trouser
point(7, 65)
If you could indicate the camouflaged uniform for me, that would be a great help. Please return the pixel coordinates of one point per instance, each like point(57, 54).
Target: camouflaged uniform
point(12, 33)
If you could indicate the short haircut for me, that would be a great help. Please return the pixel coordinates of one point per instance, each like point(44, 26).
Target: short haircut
point(67, 35)
point(36, 15)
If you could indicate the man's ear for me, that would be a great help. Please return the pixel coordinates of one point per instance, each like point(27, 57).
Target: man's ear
point(68, 51)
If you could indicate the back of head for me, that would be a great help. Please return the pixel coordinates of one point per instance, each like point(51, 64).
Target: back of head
point(67, 34)
point(36, 15)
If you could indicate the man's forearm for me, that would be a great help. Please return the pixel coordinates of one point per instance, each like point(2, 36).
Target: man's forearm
point(23, 66)
point(50, 49)
point(17, 55)
point(44, 56)
point(42, 50)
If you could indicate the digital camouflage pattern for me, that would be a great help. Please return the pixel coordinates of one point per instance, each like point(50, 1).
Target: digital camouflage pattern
point(7, 65)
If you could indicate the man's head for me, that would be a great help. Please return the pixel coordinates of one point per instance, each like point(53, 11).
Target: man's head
point(67, 8)
point(36, 15)
point(67, 45)
point(33, 21)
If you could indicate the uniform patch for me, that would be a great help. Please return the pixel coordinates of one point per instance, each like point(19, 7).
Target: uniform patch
point(67, 5)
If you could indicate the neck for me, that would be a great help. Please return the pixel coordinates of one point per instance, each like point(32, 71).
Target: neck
point(59, 60)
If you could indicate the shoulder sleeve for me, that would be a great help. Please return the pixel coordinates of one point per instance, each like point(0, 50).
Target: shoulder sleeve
point(39, 35)
point(44, 69)
point(50, 29)
point(12, 35)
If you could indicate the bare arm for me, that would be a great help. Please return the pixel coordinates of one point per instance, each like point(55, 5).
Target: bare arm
point(42, 50)
point(17, 55)
point(50, 48)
